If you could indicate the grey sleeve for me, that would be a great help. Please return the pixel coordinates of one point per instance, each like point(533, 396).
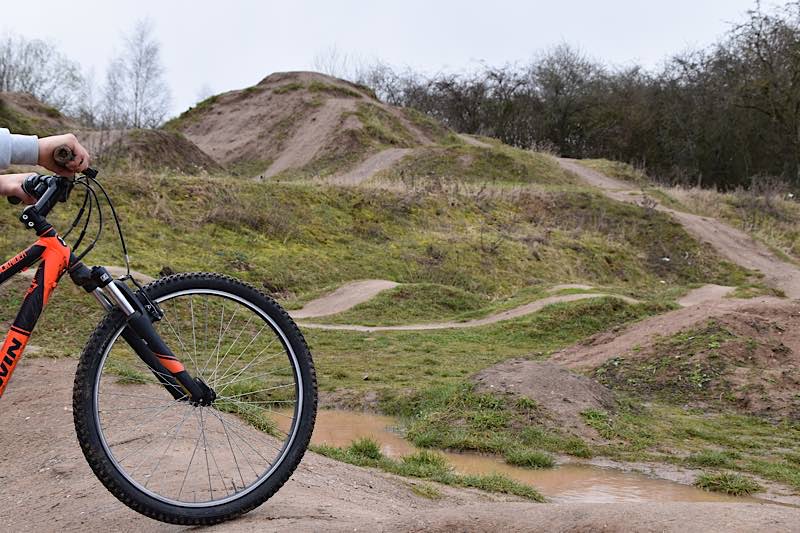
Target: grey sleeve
point(18, 149)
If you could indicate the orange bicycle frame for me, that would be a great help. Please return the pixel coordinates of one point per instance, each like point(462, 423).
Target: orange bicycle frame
point(54, 255)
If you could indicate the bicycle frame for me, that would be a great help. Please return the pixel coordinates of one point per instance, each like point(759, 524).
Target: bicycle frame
point(54, 255)
point(57, 258)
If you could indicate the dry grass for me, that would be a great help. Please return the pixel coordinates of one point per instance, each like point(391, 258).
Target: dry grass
point(768, 215)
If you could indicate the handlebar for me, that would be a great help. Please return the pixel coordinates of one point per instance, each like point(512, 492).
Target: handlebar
point(37, 185)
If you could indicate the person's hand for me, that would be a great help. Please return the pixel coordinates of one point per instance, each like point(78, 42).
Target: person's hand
point(11, 185)
point(48, 144)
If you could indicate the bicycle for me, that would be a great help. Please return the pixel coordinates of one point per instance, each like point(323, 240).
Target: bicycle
point(193, 435)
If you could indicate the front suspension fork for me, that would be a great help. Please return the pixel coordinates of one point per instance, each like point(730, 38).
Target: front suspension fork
point(144, 339)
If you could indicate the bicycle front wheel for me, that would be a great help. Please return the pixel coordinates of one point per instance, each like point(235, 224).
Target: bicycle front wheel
point(191, 464)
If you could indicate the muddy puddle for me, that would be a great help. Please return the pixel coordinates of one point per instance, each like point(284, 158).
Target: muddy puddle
point(570, 482)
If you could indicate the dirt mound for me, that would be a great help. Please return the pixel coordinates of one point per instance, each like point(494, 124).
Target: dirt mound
point(561, 394)
point(148, 150)
point(601, 347)
point(299, 122)
point(749, 358)
point(22, 113)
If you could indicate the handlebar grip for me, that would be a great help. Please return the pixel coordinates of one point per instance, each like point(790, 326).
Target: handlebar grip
point(63, 155)
point(13, 200)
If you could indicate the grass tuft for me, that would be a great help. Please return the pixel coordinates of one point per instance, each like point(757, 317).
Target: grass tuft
point(529, 458)
point(728, 483)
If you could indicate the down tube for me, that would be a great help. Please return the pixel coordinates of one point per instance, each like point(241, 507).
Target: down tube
point(44, 281)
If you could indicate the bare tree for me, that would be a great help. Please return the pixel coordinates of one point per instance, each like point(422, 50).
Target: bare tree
point(332, 61)
point(136, 94)
point(36, 67)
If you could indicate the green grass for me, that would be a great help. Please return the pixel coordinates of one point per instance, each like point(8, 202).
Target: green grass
point(425, 465)
point(288, 87)
point(383, 128)
point(456, 417)
point(334, 90)
point(728, 483)
point(471, 164)
point(25, 124)
point(408, 304)
point(529, 458)
point(426, 490)
point(713, 458)
point(397, 360)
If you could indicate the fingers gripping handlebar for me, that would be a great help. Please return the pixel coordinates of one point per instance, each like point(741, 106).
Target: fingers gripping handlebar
point(37, 185)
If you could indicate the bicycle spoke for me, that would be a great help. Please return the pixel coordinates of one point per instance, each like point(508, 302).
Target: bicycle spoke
point(161, 443)
point(169, 443)
point(241, 354)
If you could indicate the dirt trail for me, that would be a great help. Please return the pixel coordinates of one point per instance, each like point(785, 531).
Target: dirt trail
point(343, 298)
point(370, 166)
point(46, 481)
point(730, 243)
point(351, 294)
point(609, 518)
point(491, 319)
point(706, 293)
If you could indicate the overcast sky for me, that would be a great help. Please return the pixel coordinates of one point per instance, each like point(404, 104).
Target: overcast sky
point(235, 43)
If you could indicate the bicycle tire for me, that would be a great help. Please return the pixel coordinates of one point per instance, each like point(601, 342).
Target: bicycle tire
point(117, 480)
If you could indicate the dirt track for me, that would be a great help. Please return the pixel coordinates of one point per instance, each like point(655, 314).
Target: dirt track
point(732, 244)
point(491, 319)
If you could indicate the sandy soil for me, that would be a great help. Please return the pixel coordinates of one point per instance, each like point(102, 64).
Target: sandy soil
point(343, 298)
point(731, 243)
point(370, 166)
point(610, 518)
point(312, 135)
point(706, 293)
point(561, 394)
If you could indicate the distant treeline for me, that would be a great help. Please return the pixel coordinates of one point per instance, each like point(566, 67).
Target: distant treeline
point(716, 117)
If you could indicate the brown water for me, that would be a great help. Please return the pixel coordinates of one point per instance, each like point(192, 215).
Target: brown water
point(571, 482)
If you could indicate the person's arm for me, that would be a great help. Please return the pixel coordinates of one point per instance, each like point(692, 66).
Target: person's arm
point(18, 149)
point(29, 150)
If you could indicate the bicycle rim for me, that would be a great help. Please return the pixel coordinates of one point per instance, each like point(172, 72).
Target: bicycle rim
point(195, 456)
